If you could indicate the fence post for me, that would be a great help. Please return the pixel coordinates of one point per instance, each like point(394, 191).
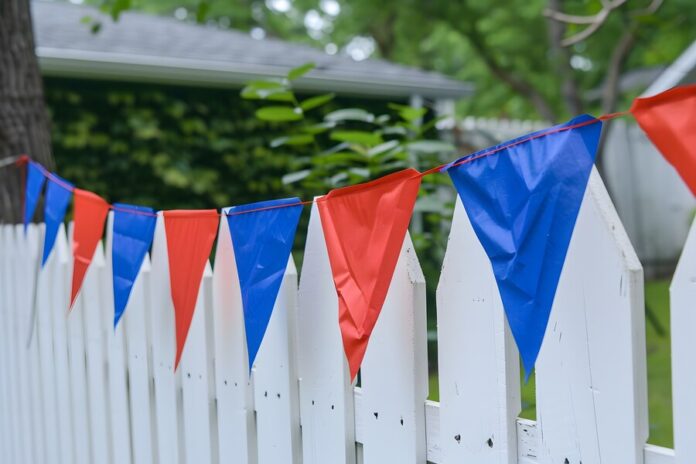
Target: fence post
point(683, 324)
point(394, 373)
point(477, 358)
point(591, 373)
point(326, 393)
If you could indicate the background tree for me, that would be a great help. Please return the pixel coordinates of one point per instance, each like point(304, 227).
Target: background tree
point(23, 118)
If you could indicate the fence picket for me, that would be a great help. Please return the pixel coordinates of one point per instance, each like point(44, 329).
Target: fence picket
point(57, 272)
point(591, 373)
point(326, 393)
point(394, 373)
point(235, 401)
point(683, 323)
point(477, 357)
point(195, 376)
point(78, 377)
point(134, 324)
point(163, 346)
point(11, 452)
point(276, 395)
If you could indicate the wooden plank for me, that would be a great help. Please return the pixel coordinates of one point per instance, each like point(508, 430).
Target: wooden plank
point(78, 377)
point(276, 395)
point(163, 349)
point(115, 352)
point(195, 376)
point(235, 400)
point(326, 394)
point(8, 389)
point(134, 324)
point(32, 248)
point(44, 341)
point(477, 357)
point(394, 373)
point(683, 325)
point(591, 372)
point(57, 271)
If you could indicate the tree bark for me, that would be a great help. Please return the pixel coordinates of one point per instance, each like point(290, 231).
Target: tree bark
point(24, 123)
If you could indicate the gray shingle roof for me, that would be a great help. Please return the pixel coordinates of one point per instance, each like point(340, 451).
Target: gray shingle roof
point(144, 47)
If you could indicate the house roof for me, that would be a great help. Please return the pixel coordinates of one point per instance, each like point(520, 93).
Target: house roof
point(681, 71)
point(143, 47)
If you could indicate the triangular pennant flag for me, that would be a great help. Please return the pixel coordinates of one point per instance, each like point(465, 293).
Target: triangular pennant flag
point(134, 228)
point(262, 237)
point(522, 198)
point(90, 215)
point(190, 237)
point(669, 120)
point(364, 228)
point(35, 182)
point(58, 193)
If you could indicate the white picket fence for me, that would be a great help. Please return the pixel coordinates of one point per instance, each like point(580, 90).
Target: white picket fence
point(84, 393)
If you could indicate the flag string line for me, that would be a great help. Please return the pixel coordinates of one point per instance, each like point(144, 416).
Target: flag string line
point(24, 159)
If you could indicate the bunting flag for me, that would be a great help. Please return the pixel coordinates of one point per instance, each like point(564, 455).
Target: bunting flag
point(522, 198)
point(57, 199)
point(134, 229)
point(669, 120)
point(190, 237)
point(90, 215)
point(34, 185)
point(364, 228)
point(262, 239)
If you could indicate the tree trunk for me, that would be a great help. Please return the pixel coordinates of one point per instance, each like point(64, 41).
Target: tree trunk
point(24, 125)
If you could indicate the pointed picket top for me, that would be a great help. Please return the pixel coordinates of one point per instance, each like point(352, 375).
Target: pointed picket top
point(132, 231)
point(58, 195)
point(522, 198)
point(668, 119)
point(364, 227)
point(190, 237)
point(34, 185)
point(262, 236)
point(90, 215)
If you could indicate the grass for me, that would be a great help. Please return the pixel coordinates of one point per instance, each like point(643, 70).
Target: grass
point(659, 369)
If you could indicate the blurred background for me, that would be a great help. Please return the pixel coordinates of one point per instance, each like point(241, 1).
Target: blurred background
point(212, 103)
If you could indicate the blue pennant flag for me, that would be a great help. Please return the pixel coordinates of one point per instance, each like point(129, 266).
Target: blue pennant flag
point(522, 201)
point(35, 183)
point(134, 228)
point(262, 241)
point(58, 194)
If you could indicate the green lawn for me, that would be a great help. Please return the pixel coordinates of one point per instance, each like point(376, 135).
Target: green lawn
point(659, 369)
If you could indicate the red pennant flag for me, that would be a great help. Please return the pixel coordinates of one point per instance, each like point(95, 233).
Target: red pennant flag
point(364, 227)
point(90, 215)
point(669, 120)
point(190, 237)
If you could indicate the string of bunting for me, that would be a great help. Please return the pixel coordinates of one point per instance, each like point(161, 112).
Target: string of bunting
point(522, 198)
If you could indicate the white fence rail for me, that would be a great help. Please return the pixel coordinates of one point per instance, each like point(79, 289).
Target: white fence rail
point(82, 392)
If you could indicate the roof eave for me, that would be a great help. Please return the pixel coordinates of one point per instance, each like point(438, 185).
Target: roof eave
point(182, 71)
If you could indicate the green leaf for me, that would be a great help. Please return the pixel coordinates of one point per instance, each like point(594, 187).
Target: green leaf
point(300, 71)
point(250, 93)
point(350, 114)
point(202, 11)
point(395, 130)
point(279, 113)
point(383, 148)
point(295, 176)
point(267, 84)
point(360, 172)
point(293, 140)
point(314, 102)
point(318, 128)
point(337, 158)
point(430, 147)
point(359, 137)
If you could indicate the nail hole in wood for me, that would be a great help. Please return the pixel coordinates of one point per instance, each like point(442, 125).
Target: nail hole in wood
point(458, 438)
point(490, 443)
point(376, 415)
